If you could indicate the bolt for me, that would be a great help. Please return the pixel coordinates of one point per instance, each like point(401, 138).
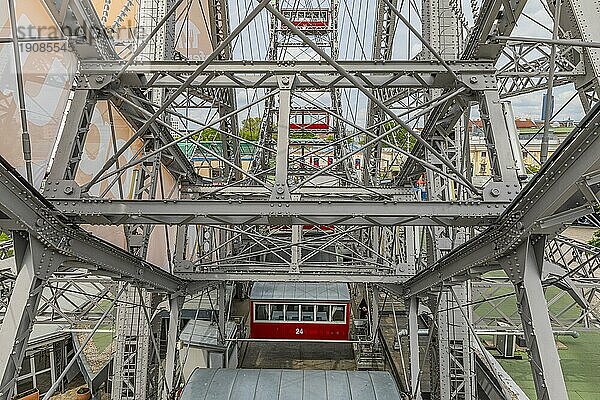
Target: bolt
point(474, 79)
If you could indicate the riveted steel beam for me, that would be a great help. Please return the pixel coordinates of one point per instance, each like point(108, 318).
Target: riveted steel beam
point(257, 212)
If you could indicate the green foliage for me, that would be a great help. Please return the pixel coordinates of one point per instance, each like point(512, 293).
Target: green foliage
point(302, 135)
point(398, 138)
point(4, 237)
point(207, 135)
point(250, 129)
point(532, 168)
point(595, 239)
point(210, 135)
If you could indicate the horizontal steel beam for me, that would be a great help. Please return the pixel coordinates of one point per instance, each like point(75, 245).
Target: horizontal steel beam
point(23, 208)
point(347, 277)
point(319, 191)
point(558, 42)
point(310, 74)
point(265, 212)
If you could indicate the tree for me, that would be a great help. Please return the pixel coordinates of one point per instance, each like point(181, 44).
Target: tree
point(399, 138)
point(302, 135)
point(207, 135)
point(210, 135)
point(250, 129)
point(595, 239)
point(532, 168)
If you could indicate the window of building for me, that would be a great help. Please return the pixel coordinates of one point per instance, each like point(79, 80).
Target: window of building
point(37, 371)
point(25, 384)
point(482, 169)
point(308, 312)
point(483, 154)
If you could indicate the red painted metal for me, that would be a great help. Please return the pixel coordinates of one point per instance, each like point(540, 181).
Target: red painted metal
point(315, 127)
point(311, 24)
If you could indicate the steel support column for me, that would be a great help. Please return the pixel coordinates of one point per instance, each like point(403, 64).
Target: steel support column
point(281, 190)
point(36, 264)
point(413, 337)
point(176, 303)
point(524, 268)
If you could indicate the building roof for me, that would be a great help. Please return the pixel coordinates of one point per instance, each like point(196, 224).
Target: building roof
point(524, 123)
point(272, 384)
point(301, 291)
point(205, 333)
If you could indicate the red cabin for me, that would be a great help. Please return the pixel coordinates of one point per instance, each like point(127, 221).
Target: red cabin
point(309, 120)
point(308, 19)
point(300, 310)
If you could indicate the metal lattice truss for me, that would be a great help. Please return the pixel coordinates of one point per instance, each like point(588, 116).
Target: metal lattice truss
point(308, 196)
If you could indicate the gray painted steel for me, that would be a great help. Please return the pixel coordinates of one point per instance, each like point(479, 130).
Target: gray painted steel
point(300, 291)
point(255, 384)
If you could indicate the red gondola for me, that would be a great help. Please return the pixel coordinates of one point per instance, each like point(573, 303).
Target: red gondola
point(300, 310)
point(309, 120)
point(308, 19)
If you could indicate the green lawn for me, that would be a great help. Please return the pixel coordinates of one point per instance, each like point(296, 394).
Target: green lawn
point(103, 339)
point(580, 363)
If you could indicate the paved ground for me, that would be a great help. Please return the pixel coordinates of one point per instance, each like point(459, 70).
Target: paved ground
point(327, 356)
point(581, 233)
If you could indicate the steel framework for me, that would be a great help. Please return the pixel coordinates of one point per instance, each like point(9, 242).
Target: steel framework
point(310, 195)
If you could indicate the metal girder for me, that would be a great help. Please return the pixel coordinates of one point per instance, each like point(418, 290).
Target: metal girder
point(527, 67)
point(71, 141)
point(347, 276)
point(220, 29)
point(553, 189)
point(309, 74)
point(23, 208)
point(176, 304)
point(35, 263)
point(491, 21)
point(173, 157)
point(524, 268)
point(305, 191)
point(256, 212)
point(82, 26)
point(383, 44)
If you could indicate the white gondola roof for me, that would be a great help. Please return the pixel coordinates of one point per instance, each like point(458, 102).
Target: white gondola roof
point(205, 333)
point(277, 384)
point(300, 291)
